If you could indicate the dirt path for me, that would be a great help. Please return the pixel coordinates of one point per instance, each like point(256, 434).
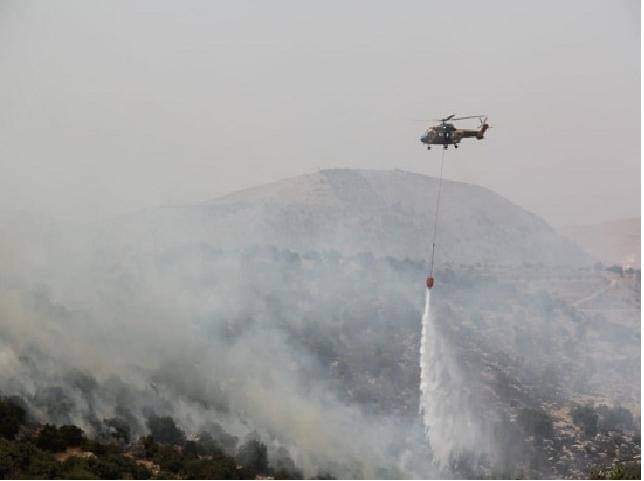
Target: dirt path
point(595, 294)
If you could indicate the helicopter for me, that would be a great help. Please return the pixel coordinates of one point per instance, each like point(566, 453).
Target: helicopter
point(445, 133)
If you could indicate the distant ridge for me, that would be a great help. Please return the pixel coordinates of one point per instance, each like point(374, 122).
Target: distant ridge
point(616, 242)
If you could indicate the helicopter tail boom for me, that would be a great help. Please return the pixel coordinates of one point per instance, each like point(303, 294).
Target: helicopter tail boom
point(482, 130)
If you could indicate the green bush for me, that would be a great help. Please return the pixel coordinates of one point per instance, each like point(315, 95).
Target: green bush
point(618, 471)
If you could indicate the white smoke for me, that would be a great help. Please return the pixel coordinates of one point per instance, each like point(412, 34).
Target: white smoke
point(124, 334)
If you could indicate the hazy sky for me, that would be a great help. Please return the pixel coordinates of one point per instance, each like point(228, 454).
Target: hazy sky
point(108, 107)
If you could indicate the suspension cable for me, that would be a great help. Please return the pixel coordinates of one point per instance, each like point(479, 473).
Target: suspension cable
point(438, 203)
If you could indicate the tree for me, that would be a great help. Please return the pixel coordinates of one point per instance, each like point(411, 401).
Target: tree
point(21, 459)
point(169, 458)
point(284, 467)
point(536, 422)
point(77, 468)
point(49, 439)
point(70, 435)
point(616, 269)
point(191, 449)
point(218, 468)
point(12, 417)
point(119, 429)
point(165, 431)
point(56, 439)
point(586, 418)
point(215, 438)
point(207, 446)
point(253, 455)
point(150, 448)
point(616, 418)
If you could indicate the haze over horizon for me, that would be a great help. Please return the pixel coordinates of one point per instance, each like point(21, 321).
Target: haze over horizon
point(119, 106)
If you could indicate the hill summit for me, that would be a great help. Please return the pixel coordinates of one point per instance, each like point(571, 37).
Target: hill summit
point(387, 213)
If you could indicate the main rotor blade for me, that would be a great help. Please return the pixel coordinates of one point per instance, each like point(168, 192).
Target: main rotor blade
point(469, 117)
point(451, 117)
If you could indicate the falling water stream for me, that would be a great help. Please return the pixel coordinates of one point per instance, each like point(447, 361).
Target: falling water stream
point(444, 394)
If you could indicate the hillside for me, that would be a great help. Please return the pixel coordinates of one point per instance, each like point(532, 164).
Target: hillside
point(616, 242)
point(265, 312)
point(387, 213)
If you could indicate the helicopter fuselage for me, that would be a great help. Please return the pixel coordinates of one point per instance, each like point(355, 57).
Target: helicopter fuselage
point(446, 134)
